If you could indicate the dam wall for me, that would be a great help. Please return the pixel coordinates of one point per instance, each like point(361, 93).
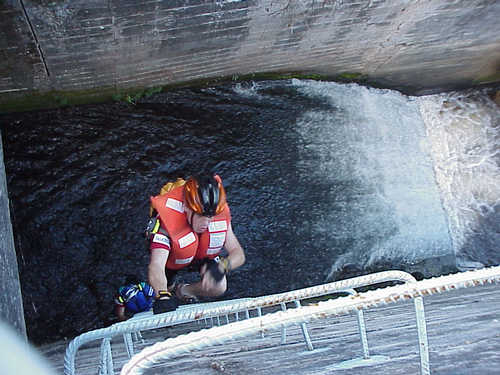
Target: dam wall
point(11, 304)
point(106, 46)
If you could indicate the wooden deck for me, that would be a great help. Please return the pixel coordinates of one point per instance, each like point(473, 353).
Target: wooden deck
point(463, 329)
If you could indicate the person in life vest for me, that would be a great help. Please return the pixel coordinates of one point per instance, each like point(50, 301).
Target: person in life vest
point(191, 224)
point(133, 298)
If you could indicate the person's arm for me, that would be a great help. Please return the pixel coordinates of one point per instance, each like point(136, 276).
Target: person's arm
point(120, 312)
point(158, 280)
point(235, 258)
point(156, 270)
point(236, 255)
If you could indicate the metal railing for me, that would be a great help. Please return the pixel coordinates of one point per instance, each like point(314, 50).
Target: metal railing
point(211, 310)
point(129, 340)
point(217, 335)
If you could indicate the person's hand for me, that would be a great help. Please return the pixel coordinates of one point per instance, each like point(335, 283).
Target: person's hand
point(120, 313)
point(211, 275)
point(216, 269)
point(165, 304)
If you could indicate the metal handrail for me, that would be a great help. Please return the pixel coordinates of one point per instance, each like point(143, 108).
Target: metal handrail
point(305, 333)
point(204, 311)
point(361, 327)
point(218, 335)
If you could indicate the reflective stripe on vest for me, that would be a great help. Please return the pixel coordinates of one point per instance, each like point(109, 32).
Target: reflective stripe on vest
point(174, 204)
point(184, 261)
point(217, 231)
point(216, 242)
point(187, 240)
point(217, 226)
point(161, 238)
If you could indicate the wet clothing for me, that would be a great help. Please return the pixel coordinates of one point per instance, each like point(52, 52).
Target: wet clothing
point(176, 235)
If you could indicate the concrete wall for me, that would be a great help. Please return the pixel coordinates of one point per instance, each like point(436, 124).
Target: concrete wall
point(95, 44)
point(11, 304)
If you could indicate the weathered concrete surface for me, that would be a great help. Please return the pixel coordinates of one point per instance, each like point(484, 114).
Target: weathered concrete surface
point(85, 45)
point(11, 303)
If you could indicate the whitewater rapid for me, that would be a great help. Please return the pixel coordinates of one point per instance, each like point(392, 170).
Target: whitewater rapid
point(463, 129)
point(429, 167)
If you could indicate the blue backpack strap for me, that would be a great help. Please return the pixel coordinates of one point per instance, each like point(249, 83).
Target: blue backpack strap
point(147, 290)
point(148, 293)
point(119, 300)
point(124, 293)
point(141, 302)
point(140, 298)
point(126, 296)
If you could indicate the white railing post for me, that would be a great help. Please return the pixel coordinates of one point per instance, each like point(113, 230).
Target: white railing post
point(129, 344)
point(423, 343)
point(106, 358)
point(259, 314)
point(362, 333)
point(305, 332)
point(361, 327)
point(283, 328)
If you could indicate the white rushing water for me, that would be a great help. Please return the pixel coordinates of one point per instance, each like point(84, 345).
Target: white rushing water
point(423, 174)
point(463, 129)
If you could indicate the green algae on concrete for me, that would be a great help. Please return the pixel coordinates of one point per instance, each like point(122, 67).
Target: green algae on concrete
point(19, 102)
point(53, 99)
point(132, 97)
point(29, 101)
point(347, 76)
point(57, 99)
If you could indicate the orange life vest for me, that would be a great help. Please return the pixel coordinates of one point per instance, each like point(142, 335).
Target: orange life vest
point(185, 244)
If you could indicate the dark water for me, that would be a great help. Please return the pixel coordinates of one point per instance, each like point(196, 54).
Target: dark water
point(80, 178)
point(325, 181)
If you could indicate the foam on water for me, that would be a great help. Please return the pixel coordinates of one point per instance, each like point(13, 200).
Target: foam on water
point(249, 90)
point(463, 129)
point(375, 141)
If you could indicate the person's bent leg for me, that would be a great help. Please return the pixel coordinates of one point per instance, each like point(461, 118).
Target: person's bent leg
point(201, 289)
